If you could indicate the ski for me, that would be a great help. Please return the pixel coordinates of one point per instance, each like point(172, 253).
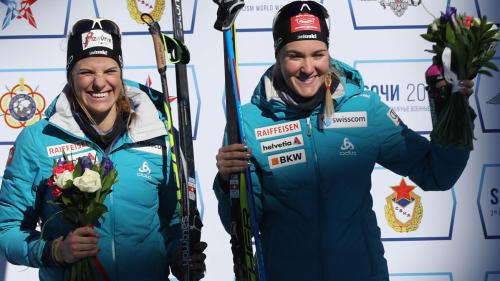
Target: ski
point(243, 214)
point(182, 148)
point(190, 214)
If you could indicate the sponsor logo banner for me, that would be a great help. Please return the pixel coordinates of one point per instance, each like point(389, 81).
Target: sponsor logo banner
point(281, 144)
point(403, 91)
point(278, 130)
point(33, 18)
point(287, 159)
point(128, 13)
point(487, 98)
point(397, 14)
point(404, 208)
point(147, 75)
point(489, 200)
point(21, 105)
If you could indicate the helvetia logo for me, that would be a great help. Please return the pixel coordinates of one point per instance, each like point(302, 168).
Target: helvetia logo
point(22, 106)
point(281, 144)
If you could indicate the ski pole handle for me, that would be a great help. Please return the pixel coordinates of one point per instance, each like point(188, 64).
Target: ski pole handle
point(154, 30)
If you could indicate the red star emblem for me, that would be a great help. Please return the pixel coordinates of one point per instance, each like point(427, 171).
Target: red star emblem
point(25, 12)
point(403, 190)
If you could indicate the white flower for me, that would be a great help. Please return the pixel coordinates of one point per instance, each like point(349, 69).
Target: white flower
point(434, 26)
point(89, 182)
point(62, 178)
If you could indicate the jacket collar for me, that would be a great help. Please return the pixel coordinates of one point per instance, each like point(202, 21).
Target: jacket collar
point(146, 124)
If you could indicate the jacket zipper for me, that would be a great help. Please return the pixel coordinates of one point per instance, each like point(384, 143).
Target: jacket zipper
point(317, 183)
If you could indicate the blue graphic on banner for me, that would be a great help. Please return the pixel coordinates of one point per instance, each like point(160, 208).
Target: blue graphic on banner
point(41, 74)
point(257, 15)
point(488, 101)
point(492, 276)
point(442, 206)
point(488, 200)
point(394, 14)
point(489, 8)
point(422, 276)
point(34, 19)
point(193, 81)
point(128, 12)
point(404, 90)
point(249, 75)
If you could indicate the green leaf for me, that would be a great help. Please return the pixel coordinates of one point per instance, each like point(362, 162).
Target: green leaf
point(78, 170)
point(428, 37)
point(450, 34)
point(490, 65)
point(485, 72)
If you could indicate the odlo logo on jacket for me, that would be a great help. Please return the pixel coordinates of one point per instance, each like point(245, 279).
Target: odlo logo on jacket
point(144, 171)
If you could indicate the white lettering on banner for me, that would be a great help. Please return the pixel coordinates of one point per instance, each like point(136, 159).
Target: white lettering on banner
point(277, 130)
point(281, 144)
point(287, 159)
point(355, 119)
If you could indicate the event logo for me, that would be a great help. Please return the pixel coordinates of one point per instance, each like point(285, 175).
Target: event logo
point(403, 210)
point(22, 106)
point(399, 7)
point(17, 10)
point(137, 7)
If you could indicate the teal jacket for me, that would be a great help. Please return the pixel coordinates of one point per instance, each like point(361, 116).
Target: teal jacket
point(138, 237)
point(312, 186)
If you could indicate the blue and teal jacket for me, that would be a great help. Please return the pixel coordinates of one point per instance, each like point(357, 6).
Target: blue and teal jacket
point(138, 237)
point(312, 186)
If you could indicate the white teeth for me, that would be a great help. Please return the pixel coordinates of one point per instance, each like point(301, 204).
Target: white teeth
point(99, 95)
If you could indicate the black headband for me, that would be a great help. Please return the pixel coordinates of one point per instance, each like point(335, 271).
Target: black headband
point(93, 38)
point(300, 20)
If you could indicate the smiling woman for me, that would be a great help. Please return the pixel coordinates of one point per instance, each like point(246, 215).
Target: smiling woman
point(313, 135)
point(97, 117)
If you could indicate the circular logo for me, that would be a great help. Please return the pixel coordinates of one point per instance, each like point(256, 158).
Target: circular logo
point(22, 107)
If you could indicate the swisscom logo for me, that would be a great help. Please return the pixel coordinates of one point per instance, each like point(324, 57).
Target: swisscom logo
point(488, 200)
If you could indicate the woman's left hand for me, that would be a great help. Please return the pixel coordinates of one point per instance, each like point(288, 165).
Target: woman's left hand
point(197, 261)
point(467, 87)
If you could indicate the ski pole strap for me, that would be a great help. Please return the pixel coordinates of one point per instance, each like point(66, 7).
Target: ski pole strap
point(178, 52)
point(227, 12)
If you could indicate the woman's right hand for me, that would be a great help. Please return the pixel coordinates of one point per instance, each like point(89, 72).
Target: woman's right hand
point(232, 159)
point(78, 244)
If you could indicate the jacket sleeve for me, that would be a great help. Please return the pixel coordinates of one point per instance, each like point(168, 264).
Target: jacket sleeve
point(20, 242)
point(403, 151)
point(224, 200)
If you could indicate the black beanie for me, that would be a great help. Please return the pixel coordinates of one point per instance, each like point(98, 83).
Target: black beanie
point(300, 20)
point(93, 38)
